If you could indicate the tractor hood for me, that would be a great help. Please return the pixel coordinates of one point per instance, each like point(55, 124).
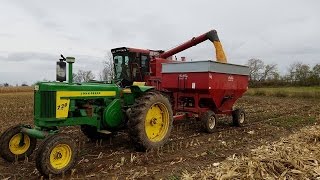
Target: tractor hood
point(60, 86)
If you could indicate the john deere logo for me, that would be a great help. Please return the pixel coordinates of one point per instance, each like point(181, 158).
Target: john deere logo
point(90, 93)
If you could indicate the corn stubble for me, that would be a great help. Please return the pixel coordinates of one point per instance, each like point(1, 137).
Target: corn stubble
point(295, 157)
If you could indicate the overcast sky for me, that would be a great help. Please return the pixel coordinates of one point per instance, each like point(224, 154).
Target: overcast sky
point(34, 33)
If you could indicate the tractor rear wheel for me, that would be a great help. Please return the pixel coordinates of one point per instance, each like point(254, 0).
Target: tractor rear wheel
point(150, 121)
point(209, 121)
point(238, 117)
point(56, 155)
point(16, 145)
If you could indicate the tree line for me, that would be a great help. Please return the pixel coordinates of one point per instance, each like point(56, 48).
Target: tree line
point(268, 75)
point(260, 74)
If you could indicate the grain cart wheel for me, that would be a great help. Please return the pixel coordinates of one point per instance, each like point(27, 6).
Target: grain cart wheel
point(150, 121)
point(92, 133)
point(209, 120)
point(16, 145)
point(56, 155)
point(238, 117)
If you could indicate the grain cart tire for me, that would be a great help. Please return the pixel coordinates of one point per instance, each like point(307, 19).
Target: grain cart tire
point(150, 121)
point(209, 121)
point(56, 155)
point(13, 148)
point(92, 133)
point(238, 117)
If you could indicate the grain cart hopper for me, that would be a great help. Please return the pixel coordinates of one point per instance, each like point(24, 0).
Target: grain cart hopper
point(149, 90)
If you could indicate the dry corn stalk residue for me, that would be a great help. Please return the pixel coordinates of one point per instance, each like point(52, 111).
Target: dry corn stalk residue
point(295, 157)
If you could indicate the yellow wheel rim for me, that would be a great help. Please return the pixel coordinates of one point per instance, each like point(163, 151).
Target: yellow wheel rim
point(60, 156)
point(18, 146)
point(157, 122)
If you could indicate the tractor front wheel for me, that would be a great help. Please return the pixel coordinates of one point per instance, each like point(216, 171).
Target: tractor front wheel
point(56, 155)
point(16, 145)
point(150, 121)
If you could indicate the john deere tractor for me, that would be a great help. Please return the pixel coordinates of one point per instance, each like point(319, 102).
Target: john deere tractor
point(99, 108)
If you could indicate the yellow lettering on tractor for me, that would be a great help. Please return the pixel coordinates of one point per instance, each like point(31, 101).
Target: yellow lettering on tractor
point(63, 99)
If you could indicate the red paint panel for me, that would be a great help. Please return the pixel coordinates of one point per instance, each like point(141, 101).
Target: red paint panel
point(224, 89)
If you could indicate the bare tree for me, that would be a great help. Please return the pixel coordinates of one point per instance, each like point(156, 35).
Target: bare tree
point(83, 76)
point(303, 74)
point(316, 74)
point(255, 68)
point(259, 72)
point(292, 71)
point(300, 74)
point(316, 71)
point(269, 71)
point(107, 72)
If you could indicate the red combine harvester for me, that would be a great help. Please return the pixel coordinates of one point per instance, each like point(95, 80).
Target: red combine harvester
point(197, 89)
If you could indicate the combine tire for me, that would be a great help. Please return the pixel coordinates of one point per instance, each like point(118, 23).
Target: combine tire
point(150, 121)
point(238, 117)
point(16, 145)
point(92, 134)
point(56, 155)
point(209, 121)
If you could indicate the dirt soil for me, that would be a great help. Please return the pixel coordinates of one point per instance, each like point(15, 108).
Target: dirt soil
point(268, 119)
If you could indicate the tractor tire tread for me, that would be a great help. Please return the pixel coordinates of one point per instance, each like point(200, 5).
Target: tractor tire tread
point(137, 120)
point(205, 121)
point(43, 155)
point(4, 143)
point(236, 117)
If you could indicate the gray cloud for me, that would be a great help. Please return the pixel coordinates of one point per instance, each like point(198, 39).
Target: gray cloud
point(29, 56)
point(38, 31)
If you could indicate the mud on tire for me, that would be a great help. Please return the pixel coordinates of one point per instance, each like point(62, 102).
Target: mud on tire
point(9, 144)
point(52, 153)
point(209, 121)
point(151, 111)
point(238, 117)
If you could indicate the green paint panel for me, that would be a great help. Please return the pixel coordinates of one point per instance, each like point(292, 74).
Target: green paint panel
point(113, 115)
point(72, 121)
point(128, 99)
point(62, 86)
point(48, 104)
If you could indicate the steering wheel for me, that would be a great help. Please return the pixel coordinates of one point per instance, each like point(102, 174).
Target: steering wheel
point(118, 82)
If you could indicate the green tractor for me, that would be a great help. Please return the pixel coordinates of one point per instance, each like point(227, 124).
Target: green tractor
point(99, 108)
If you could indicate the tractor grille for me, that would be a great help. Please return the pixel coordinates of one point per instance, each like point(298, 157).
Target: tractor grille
point(48, 104)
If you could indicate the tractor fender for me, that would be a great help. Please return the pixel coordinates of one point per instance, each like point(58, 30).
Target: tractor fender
point(140, 89)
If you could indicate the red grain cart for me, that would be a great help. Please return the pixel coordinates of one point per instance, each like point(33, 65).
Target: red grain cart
point(206, 88)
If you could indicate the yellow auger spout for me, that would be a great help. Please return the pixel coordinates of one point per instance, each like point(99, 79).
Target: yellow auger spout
point(220, 56)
